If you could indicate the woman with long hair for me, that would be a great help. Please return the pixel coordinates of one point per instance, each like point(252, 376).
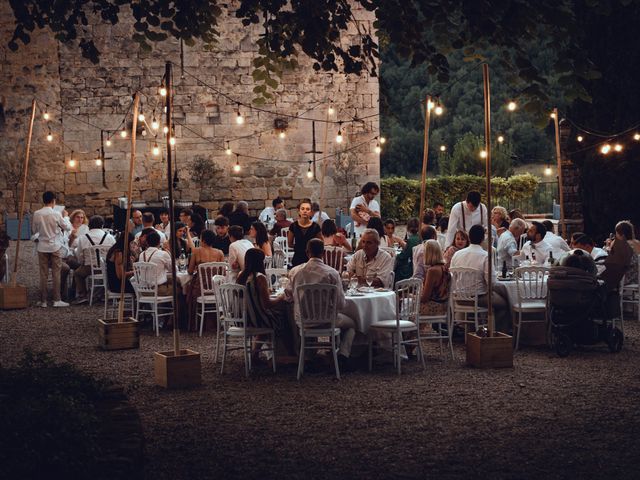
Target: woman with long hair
point(404, 260)
point(460, 241)
point(117, 270)
point(435, 287)
point(301, 231)
point(258, 233)
point(332, 238)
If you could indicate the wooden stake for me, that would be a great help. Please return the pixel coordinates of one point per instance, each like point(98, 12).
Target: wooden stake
point(425, 156)
point(25, 170)
point(132, 163)
point(556, 123)
point(487, 141)
point(172, 220)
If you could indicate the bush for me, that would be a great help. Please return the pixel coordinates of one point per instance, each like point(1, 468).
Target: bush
point(401, 196)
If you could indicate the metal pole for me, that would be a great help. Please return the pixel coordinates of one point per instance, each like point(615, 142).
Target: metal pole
point(425, 156)
point(556, 123)
point(487, 141)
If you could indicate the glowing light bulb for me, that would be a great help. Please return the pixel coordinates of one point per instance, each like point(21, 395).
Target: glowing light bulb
point(123, 133)
point(49, 136)
point(282, 134)
point(162, 91)
point(553, 115)
point(636, 137)
point(383, 140)
point(98, 162)
point(483, 154)
point(500, 139)
point(154, 124)
point(236, 167)
point(144, 132)
point(172, 141)
point(45, 115)
point(547, 171)
point(239, 117)
point(309, 172)
point(72, 163)
point(605, 149)
point(511, 106)
point(438, 110)
point(141, 117)
point(339, 135)
point(165, 129)
point(108, 142)
point(617, 147)
point(228, 149)
point(378, 148)
point(579, 138)
point(331, 110)
point(156, 150)
point(443, 148)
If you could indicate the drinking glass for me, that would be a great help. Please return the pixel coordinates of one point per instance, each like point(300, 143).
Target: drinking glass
point(369, 278)
point(353, 283)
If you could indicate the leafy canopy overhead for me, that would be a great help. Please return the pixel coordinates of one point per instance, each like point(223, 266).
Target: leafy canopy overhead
point(315, 29)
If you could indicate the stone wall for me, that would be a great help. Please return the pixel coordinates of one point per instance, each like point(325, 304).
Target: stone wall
point(574, 217)
point(80, 93)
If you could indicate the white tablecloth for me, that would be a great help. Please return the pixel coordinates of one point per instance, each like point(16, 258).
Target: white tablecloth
point(369, 308)
point(512, 291)
point(183, 278)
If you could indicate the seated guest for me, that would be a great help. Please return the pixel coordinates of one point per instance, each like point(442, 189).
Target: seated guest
point(499, 220)
point(148, 221)
point(262, 310)
point(258, 234)
point(427, 232)
point(515, 213)
point(139, 243)
point(185, 216)
point(181, 245)
point(573, 238)
point(389, 237)
point(536, 249)
point(116, 268)
point(222, 240)
point(281, 222)
point(371, 260)
point(556, 241)
point(429, 218)
point(269, 213)
point(164, 225)
point(435, 287)
point(237, 249)
point(404, 260)
point(460, 241)
point(240, 216)
point(95, 236)
point(508, 243)
point(618, 262)
point(474, 256)
point(225, 210)
point(332, 238)
point(79, 226)
point(162, 260)
point(438, 208)
point(315, 271)
point(586, 243)
point(315, 209)
point(377, 225)
point(136, 222)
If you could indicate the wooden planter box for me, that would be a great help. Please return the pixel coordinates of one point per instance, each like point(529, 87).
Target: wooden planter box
point(13, 297)
point(118, 336)
point(490, 352)
point(179, 371)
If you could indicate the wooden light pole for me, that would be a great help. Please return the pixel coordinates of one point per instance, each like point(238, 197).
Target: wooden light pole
point(425, 156)
point(556, 123)
point(487, 141)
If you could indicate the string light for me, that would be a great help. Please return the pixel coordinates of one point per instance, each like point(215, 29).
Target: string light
point(156, 150)
point(108, 142)
point(547, 170)
point(45, 115)
point(500, 139)
point(553, 115)
point(331, 110)
point(72, 162)
point(383, 140)
point(605, 149)
point(239, 117)
point(443, 148)
point(511, 106)
point(141, 117)
point(483, 154)
point(282, 134)
point(162, 91)
point(165, 129)
point(309, 172)
point(49, 136)
point(144, 132)
point(154, 123)
point(617, 147)
point(172, 141)
point(98, 158)
point(438, 110)
point(339, 135)
point(237, 167)
point(123, 133)
point(228, 149)
point(636, 137)
point(579, 138)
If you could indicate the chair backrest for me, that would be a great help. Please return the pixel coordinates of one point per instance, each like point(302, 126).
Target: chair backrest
point(408, 299)
point(217, 281)
point(281, 244)
point(415, 251)
point(390, 250)
point(268, 262)
point(284, 231)
point(274, 274)
point(206, 272)
point(97, 256)
point(465, 284)
point(278, 259)
point(145, 275)
point(233, 298)
point(334, 257)
point(531, 283)
point(317, 304)
point(522, 240)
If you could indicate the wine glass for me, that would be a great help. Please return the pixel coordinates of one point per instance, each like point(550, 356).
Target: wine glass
point(369, 278)
point(353, 283)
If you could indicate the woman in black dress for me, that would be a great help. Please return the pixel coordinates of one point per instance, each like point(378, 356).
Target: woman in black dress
point(301, 231)
point(116, 271)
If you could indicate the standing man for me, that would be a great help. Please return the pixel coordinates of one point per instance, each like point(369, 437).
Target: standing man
point(364, 207)
point(465, 215)
point(50, 224)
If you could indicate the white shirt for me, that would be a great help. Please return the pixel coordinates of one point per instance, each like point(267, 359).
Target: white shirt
point(598, 253)
point(381, 266)
point(476, 257)
point(557, 244)
point(50, 225)
point(82, 249)
point(237, 251)
point(541, 250)
point(372, 205)
point(507, 246)
point(317, 215)
point(267, 212)
point(477, 217)
point(314, 271)
point(161, 259)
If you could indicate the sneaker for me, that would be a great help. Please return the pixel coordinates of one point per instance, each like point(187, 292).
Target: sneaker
point(80, 300)
point(60, 303)
point(42, 304)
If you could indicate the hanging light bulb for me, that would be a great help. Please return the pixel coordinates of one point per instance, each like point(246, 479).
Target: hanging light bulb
point(162, 91)
point(156, 149)
point(309, 172)
point(141, 117)
point(172, 141)
point(500, 139)
point(165, 129)
point(282, 134)
point(617, 147)
point(108, 142)
point(339, 135)
point(547, 170)
point(605, 149)
point(72, 162)
point(123, 133)
point(511, 106)
point(49, 136)
point(239, 117)
point(483, 154)
point(383, 140)
point(228, 149)
point(98, 162)
point(553, 115)
point(636, 137)
point(443, 148)
point(236, 167)
point(438, 110)
point(143, 132)
point(331, 110)
point(579, 138)
point(154, 123)
point(378, 148)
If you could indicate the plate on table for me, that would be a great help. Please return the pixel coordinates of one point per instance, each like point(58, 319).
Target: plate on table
point(365, 289)
point(380, 289)
point(355, 294)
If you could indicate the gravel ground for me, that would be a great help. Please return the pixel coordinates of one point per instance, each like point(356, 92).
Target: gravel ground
point(546, 418)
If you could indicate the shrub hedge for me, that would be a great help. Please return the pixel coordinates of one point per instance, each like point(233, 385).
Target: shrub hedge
point(400, 196)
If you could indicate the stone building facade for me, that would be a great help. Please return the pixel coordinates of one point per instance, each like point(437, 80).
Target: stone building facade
point(84, 98)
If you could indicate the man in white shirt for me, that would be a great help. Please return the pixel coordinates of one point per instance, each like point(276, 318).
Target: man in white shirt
point(317, 218)
point(465, 214)
point(165, 225)
point(586, 243)
point(536, 248)
point(237, 249)
point(507, 243)
point(476, 257)
point(269, 213)
point(315, 271)
point(162, 260)
point(136, 222)
point(50, 225)
point(147, 222)
point(558, 244)
point(371, 260)
point(95, 236)
point(364, 207)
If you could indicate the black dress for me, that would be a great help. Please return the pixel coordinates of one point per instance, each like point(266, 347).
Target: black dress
point(114, 281)
point(301, 235)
